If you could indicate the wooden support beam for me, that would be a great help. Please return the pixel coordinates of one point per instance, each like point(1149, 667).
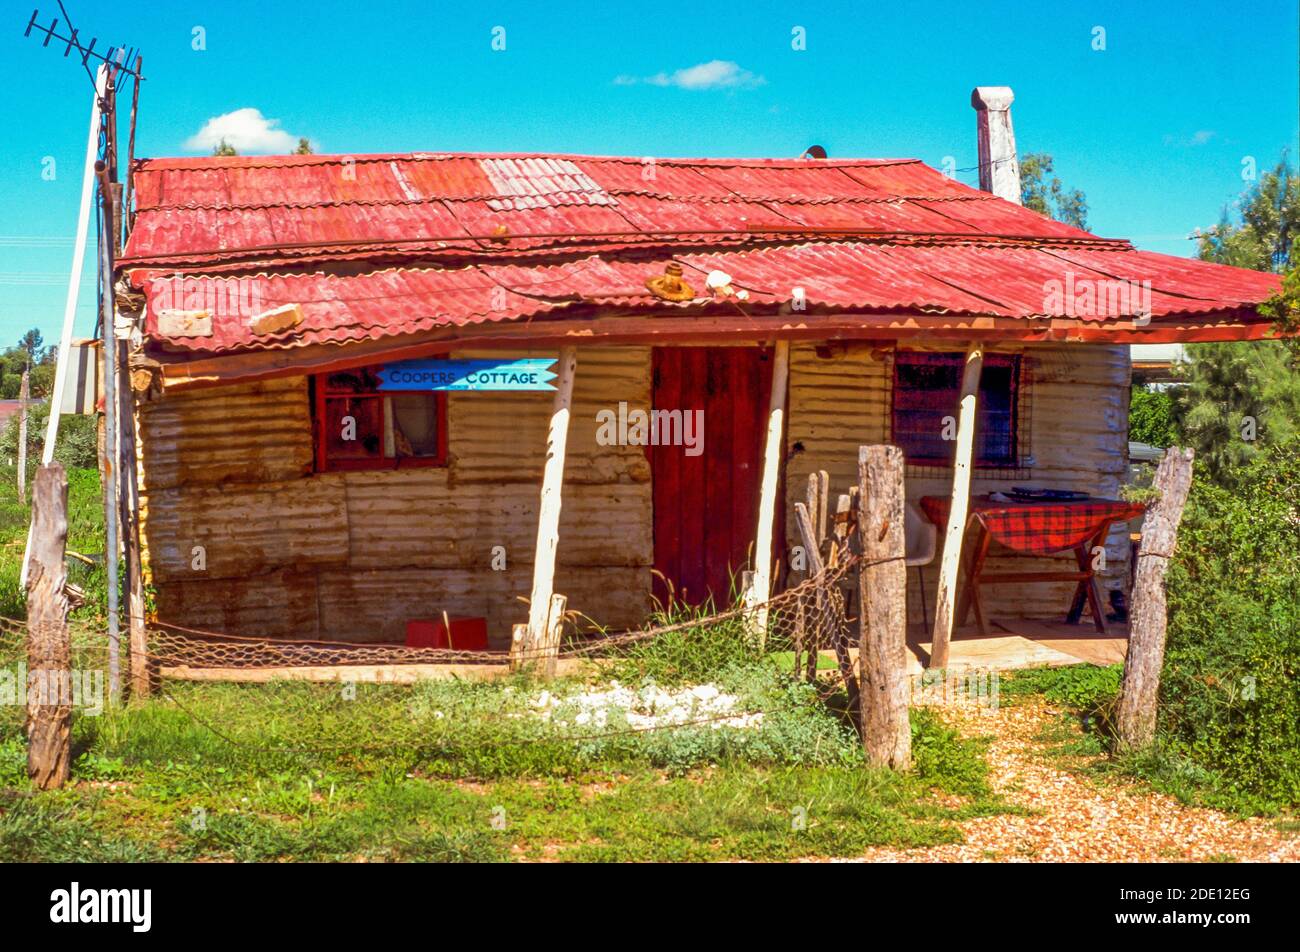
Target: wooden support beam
point(1140, 688)
point(24, 393)
point(773, 457)
point(950, 566)
point(129, 501)
point(548, 520)
point(882, 652)
point(49, 649)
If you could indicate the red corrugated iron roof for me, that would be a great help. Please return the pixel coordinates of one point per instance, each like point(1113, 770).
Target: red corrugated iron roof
point(974, 280)
point(498, 238)
point(207, 211)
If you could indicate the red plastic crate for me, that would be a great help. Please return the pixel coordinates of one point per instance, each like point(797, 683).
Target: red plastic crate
point(467, 633)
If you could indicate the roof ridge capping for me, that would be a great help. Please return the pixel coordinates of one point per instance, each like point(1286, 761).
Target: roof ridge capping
point(276, 161)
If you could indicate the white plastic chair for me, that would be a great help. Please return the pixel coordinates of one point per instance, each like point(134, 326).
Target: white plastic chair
point(920, 540)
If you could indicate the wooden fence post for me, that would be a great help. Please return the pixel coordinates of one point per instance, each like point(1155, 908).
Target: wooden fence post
point(882, 650)
point(1136, 715)
point(49, 651)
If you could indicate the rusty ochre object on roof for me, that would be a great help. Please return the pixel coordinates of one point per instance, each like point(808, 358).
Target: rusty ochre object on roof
point(670, 285)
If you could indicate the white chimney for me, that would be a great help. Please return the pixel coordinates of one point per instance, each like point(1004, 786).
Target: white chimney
point(999, 167)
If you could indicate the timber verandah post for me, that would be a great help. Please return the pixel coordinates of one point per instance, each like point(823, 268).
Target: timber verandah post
point(760, 590)
point(542, 636)
point(950, 566)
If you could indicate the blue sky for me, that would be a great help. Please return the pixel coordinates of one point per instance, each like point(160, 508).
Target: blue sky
point(1154, 128)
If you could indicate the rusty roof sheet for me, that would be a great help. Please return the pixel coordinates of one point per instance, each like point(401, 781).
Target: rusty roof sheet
point(212, 210)
point(502, 237)
point(999, 281)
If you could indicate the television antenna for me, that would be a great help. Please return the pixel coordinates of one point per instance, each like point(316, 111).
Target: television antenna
point(122, 59)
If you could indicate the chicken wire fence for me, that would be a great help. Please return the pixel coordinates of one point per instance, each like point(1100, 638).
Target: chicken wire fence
point(800, 624)
point(805, 619)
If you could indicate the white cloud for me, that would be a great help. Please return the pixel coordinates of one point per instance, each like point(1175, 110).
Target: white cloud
point(247, 130)
point(1199, 137)
point(715, 74)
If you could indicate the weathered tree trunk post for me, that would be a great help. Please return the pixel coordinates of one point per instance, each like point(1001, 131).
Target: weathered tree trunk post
point(129, 500)
point(49, 651)
point(24, 391)
point(882, 650)
point(536, 637)
point(554, 631)
point(1136, 716)
point(773, 458)
point(945, 609)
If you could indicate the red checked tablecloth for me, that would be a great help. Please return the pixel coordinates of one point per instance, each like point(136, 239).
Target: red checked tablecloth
point(1038, 527)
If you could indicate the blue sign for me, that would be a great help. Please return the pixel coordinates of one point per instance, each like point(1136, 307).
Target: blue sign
point(526, 373)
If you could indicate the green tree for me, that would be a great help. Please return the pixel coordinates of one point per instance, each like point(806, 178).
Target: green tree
point(33, 343)
point(1242, 397)
point(304, 148)
point(1270, 222)
point(1042, 192)
point(224, 148)
point(1151, 417)
point(77, 445)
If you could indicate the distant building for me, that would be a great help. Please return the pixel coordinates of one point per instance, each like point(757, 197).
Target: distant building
point(8, 408)
point(1154, 363)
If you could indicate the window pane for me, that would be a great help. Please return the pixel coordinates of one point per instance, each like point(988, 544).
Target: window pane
point(415, 424)
point(926, 388)
point(359, 380)
point(367, 441)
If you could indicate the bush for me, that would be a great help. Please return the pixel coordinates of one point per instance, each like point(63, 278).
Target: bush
point(1151, 417)
point(1230, 691)
point(76, 447)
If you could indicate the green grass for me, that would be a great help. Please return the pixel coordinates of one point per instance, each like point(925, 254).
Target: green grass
point(299, 773)
point(454, 771)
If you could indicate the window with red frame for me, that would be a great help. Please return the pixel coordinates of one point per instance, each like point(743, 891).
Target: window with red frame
point(357, 427)
point(926, 390)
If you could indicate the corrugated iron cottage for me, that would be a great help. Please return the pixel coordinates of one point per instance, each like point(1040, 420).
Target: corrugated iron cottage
point(839, 298)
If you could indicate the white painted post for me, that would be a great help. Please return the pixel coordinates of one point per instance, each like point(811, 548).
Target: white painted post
point(950, 566)
point(548, 521)
point(773, 456)
point(74, 285)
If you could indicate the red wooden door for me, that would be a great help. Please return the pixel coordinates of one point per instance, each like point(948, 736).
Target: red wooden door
point(706, 505)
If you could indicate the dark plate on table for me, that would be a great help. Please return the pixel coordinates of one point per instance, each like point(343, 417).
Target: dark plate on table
point(1029, 494)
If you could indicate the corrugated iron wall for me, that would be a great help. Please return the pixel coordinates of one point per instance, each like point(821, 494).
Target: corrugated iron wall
point(352, 556)
point(1078, 437)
